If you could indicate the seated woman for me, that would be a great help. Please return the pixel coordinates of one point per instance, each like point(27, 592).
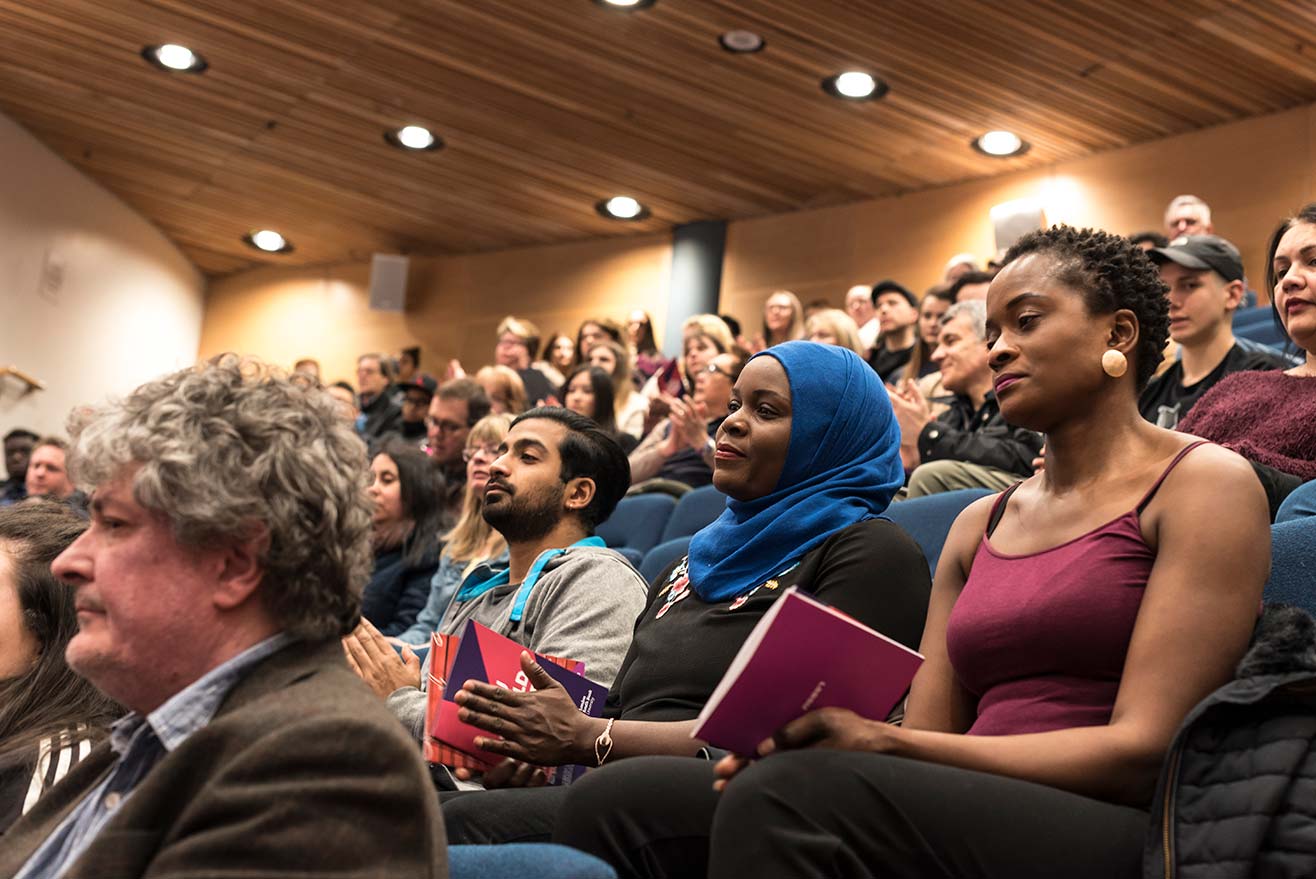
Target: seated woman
point(588, 392)
point(640, 334)
point(49, 717)
point(630, 406)
point(1267, 417)
point(831, 326)
point(1074, 622)
point(703, 337)
point(808, 472)
point(559, 358)
point(472, 541)
point(506, 390)
point(408, 495)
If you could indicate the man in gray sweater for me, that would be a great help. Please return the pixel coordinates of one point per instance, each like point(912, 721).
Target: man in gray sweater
point(562, 592)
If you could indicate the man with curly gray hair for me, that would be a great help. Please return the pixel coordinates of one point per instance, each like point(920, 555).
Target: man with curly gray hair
point(229, 544)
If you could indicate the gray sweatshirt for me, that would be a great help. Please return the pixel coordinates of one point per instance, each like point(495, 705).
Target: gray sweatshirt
point(583, 606)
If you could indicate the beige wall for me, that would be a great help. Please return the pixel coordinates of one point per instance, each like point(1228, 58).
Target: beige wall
point(95, 299)
point(1251, 172)
point(454, 303)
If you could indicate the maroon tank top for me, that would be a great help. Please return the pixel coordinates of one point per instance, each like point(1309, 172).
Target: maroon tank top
point(1040, 639)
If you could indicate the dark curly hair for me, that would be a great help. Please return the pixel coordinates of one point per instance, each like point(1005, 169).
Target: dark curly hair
point(1113, 273)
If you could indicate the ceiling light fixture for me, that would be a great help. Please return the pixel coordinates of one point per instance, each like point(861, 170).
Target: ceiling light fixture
point(627, 5)
point(267, 240)
point(414, 137)
point(621, 207)
point(174, 58)
point(855, 85)
point(741, 42)
point(1000, 144)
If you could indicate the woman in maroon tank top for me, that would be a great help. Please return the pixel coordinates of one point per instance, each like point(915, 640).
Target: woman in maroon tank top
point(1074, 621)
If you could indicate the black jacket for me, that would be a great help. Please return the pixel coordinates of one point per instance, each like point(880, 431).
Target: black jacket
point(381, 417)
point(979, 436)
point(397, 591)
point(1237, 795)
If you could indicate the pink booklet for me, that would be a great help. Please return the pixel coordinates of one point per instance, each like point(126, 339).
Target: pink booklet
point(803, 655)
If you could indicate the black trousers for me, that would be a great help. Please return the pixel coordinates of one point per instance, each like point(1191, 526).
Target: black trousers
point(839, 814)
point(490, 817)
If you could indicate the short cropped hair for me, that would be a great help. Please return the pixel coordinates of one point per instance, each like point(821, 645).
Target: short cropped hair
point(1112, 274)
point(472, 393)
point(1181, 201)
point(21, 433)
point(232, 447)
point(523, 330)
point(966, 279)
point(976, 312)
point(587, 450)
point(52, 441)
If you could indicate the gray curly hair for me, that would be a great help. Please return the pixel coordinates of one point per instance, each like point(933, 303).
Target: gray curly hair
point(231, 447)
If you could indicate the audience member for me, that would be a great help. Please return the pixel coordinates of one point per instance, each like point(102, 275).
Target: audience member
point(960, 264)
point(644, 342)
point(458, 405)
point(734, 327)
point(345, 397)
point(859, 305)
point(18, 450)
point(472, 541)
point(1267, 416)
point(930, 312)
point(814, 306)
point(1187, 215)
point(783, 319)
point(308, 366)
point(559, 359)
point(589, 392)
point(417, 392)
point(229, 540)
point(407, 493)
point(831, 326)
point(703, 337)
point(49, 717)
point(630, 406)
point(1148, 240)
point(557, 476)
point(507, 393)
point(594, 331)
point(680, 448)
point(1205, 279)
point(47, 470)
point(517, 347)
point(808, 473)
point(1074, 622)
point(970, 285)
point(971, 445)
point(408, 365)
point(897, 316)
point(379, 415)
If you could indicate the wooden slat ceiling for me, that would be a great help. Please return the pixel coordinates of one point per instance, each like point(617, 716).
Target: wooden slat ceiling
point(549, 106)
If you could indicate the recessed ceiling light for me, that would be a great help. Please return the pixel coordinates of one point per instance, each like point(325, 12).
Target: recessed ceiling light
point(1000, 144)
point(622, 207)
point(855, 85)
point(176, 58)
point(625, 4)
point(414, 137)
point(741, 42)
point(267, 240)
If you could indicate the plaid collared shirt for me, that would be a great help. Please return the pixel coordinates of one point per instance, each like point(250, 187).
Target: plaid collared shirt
point(140, 743)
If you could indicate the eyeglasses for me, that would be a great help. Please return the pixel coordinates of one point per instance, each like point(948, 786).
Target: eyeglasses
point(444, 426)
point(712, 367)
point(488, 451)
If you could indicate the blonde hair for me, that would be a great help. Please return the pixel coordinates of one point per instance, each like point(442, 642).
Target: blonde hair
point(502, 383)
point(708, 325)
point(840, 325)
point(472, 539)
point(796, 328)
point(523, 330)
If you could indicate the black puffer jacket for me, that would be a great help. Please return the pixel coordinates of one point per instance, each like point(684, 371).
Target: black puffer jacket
point(1237, 796)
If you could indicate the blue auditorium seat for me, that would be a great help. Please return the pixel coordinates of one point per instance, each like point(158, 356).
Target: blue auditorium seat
point(661, 556)
point(1300, 504)
point(522, 860)
point(694, 510)
point(928, 519)
point(636, 526)
point(1293, 564)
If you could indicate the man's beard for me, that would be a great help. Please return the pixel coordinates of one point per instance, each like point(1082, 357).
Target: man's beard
point(522, 518)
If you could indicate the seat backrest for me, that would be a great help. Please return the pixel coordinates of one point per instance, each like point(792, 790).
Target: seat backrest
point(1293, 564)
point(928, 519)
point(638, 522)
point(694, 510)
point(662, 555)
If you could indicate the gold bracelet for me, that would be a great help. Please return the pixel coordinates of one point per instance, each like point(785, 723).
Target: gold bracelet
point(603, 744)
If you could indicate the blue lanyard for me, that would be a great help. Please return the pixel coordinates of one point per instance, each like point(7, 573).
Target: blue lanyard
point(475, 590)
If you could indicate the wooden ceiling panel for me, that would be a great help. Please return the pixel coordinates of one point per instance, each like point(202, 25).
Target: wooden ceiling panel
point(547, 107)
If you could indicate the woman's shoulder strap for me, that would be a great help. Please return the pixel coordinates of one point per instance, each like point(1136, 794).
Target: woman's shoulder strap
point(1151, 492)
point(998, 509)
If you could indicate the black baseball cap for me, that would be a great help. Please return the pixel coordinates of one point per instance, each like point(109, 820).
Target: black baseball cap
point(1202, 252)
point(422, 382)
point(889, 286)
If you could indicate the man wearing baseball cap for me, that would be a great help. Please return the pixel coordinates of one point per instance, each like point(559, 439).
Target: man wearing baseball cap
point(897, 317)
point(1205, 277)
point(416, 395)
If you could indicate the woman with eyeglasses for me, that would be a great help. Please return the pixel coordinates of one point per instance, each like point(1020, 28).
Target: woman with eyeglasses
point(680, 448)
point(472, 541)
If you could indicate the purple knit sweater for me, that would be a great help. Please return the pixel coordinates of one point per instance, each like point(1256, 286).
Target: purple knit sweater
point(1267, 417)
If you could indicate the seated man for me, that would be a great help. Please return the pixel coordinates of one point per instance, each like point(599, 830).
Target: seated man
point(1205, 277)
point(680, 447)
point(47, 470)
point(229, 542)
point(970, 445)
point(557, 476)
point(454, 410)
point(971, 285)
point(18, 449)
point(417, 392)
point(379, 414)
point(897, 317)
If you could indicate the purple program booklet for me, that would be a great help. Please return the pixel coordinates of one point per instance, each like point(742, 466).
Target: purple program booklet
point(803, 655)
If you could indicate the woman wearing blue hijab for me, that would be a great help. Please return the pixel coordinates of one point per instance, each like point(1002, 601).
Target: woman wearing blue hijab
point(809, 458)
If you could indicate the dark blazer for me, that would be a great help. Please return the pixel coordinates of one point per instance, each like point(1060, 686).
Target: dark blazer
point(302, 772)
point(397, 591)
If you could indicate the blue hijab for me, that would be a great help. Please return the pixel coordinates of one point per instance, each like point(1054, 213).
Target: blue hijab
point(842, 466)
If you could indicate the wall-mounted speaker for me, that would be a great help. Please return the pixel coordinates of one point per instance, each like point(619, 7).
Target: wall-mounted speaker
point(388, 282)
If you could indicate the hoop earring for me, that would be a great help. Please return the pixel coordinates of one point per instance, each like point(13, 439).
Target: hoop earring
point(1114, 363)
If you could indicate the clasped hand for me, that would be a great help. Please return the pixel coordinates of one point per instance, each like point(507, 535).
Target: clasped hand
point(688, 426)
point(836, 728)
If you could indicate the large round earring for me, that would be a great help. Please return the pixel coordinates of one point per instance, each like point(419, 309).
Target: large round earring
point(1114, 363)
